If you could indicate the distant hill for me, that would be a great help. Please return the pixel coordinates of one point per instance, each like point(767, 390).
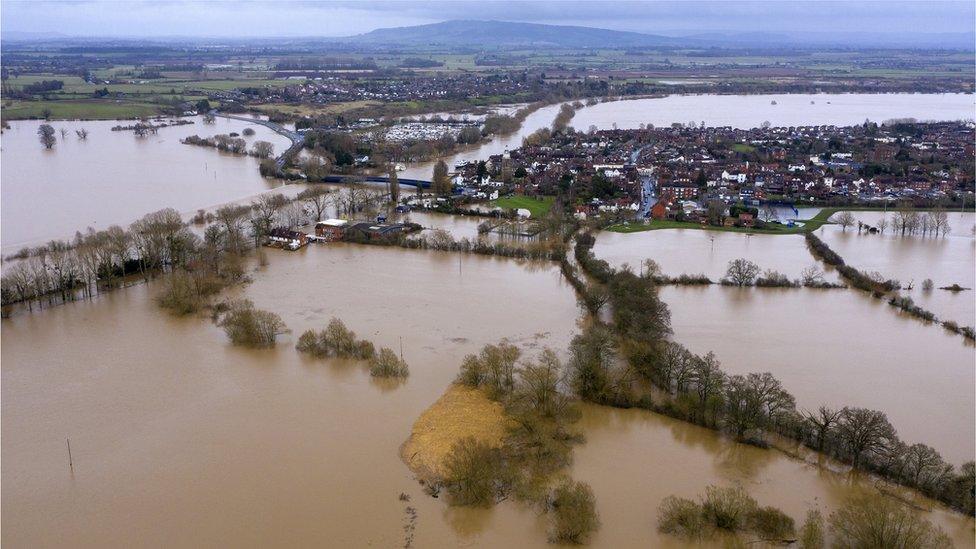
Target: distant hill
point(503, 33)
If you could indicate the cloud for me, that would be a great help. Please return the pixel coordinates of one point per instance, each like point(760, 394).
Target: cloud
point(252, 18)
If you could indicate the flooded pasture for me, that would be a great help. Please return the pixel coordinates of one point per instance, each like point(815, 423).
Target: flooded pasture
point(114, 177)
point(693, 251)
point(911, 259)
point(839, 348)
point(180, 438)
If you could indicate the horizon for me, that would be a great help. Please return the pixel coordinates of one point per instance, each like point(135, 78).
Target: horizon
point(892, 23)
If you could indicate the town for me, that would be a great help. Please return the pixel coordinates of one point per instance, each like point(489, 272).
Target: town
point(677, 172)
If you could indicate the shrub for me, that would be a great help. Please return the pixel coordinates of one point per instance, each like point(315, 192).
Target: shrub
point(493, 368)
point(387, 364)
point(876, 521)
point(180, 294)
point(338, 340)
point(186, 293)
point(681, 517)
point(727, 508)
point(572, 512)
point(474, 472)
point(308, 342)
point(812, 532)
point(772, 524)
point(250, 327)
point(775, 279)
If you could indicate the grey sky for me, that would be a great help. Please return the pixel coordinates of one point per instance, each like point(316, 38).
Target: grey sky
point(253, 18)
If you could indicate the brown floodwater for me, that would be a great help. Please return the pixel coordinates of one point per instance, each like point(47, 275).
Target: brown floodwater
point(911, 259)
point(116, 177)
point(840, 347)
point(180, 439)
point(541, 118)
point(693, 251)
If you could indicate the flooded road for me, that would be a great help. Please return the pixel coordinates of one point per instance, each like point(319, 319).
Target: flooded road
point(180, 439)
point(114, 177)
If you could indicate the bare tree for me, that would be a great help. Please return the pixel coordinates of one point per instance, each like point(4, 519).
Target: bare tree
point(741, 272)
point(266, 210)
point(822, 422)
point(845, 219)
point(64, 133)
point(294, 214)
point(882, 224)
point(45, 133)
point(315, 168)
point(262, 149)
point(862, 432)
point(316, 198)
point(231, 219)
point(82, 134)
point(812, 276)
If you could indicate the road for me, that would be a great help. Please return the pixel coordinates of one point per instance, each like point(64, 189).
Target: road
point(297, 139)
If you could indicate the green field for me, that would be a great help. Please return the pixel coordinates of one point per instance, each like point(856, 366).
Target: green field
point(85, 109)
point(539, 207)
point(657, 224)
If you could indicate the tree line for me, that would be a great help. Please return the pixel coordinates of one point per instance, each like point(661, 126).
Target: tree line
point(162, 242)
point(748, 407)
point(875, 284)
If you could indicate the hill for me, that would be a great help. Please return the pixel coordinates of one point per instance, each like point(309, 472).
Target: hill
point(505, 33)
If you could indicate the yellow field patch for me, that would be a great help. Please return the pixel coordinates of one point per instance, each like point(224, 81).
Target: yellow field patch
point(460, 412)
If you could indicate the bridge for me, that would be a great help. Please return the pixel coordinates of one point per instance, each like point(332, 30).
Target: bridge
point(375, 179)
point(297, 139)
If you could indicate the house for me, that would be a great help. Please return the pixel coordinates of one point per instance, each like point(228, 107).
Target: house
point(659, 210)
point(380, 231)
point(331, 229)
point(287, 238)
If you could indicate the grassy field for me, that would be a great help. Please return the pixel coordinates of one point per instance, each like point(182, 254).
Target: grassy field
point(657, 224)
point(538, 207)
point(83, 109)
point(314, 109)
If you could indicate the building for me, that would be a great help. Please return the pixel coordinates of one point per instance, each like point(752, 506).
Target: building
point(380, 231)
point(331, 229)
point(287, 238)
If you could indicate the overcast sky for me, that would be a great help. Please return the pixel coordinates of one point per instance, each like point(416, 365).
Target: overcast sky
point(272, 18)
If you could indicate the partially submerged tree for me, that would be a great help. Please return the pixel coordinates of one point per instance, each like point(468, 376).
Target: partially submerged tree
point(741, 272)
point(250, 327)
point(877, 521)
point(45, 132)
point(572, 512)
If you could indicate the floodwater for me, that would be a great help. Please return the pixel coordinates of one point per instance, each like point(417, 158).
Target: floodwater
point(750, 111)
point(541, 118)
point(839, 348)
point(694, 251)
point(116, 177)
point(911, 259)
point(178, 438)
